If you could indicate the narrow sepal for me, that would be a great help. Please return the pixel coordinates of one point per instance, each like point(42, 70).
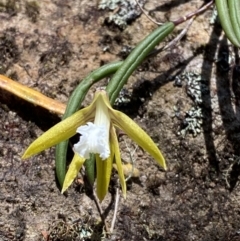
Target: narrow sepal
point(136, 133)
point(60, 132)
point(72, 172)
point(104, 169)
point(115, 147)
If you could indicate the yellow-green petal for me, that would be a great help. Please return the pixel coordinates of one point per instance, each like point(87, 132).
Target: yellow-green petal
point(115, 147)
point(72, 172)
point(136, 133)
point(61, 131)
point(104, 170)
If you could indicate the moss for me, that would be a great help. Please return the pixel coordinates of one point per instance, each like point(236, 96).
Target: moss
point(32, 10)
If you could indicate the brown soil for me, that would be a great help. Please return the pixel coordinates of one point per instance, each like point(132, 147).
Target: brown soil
point(50, 46)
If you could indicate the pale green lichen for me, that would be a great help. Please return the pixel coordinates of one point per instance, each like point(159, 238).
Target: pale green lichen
point(195, 85)
point(127, 10)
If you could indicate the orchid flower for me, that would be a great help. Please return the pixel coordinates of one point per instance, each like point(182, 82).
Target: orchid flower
point(96, 125)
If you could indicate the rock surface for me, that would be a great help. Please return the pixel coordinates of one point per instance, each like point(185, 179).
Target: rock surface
point(51, 46)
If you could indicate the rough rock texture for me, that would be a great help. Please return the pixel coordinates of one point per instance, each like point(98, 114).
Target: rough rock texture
point(50, 46)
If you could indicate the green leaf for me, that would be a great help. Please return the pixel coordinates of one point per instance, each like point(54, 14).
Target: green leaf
point(228, 20)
